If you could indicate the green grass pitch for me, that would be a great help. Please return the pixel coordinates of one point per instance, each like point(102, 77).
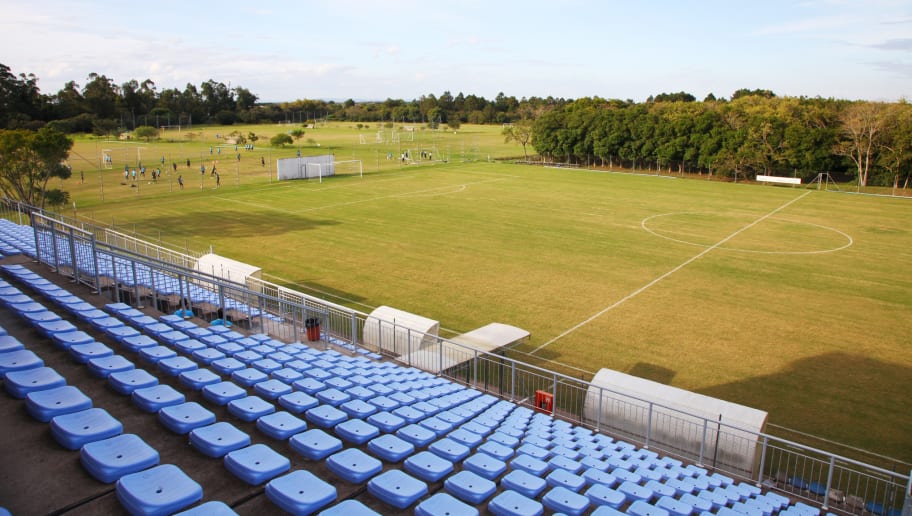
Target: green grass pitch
point(790, 300)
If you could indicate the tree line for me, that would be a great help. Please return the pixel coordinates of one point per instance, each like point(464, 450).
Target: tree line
point(755, 132)
point(103, 107)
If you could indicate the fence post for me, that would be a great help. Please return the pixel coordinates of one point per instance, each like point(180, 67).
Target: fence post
point(408, 343)
point(512, 380)
point(907, 507)
point(598, 417)
point(475, 370)
point(648, 426)
point(354, 333)
point(703, 443)
point(95, 266)
point(829, 483)
point(379, 334)
point(440, 357)
point(762, 461)
point(73, 257)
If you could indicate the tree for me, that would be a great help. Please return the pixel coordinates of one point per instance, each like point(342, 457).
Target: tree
point(28, 160)
point(146, 132)
point(297, 133)
point(521, 133)
point(281, 140)
point(862, 126)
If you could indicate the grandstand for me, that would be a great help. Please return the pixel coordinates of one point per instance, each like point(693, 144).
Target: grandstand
point(103, 397)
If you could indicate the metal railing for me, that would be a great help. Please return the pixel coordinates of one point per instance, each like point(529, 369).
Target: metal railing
point(128, 274)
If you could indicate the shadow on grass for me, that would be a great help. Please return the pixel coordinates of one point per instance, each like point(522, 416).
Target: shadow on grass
point(335, 295)
point(827, 395)
point(234, 223)
point(653, 372)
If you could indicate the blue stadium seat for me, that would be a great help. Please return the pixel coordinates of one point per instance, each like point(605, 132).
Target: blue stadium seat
point(78, 428)
point(19, 360)
point(297, 402)
point(563, 478)
point(153, 399)
point(601, 494)
point(222, 393)
point(524, 483)
point(390, 448)
point(485, 465)
point(529, 464)
point(397, 488)
point(512, 503)
point(635, 492)
point(356, 431)
point(174, 366)
point(300, 492)
point(139, 342)
point(250, 408)
point(109, 459)
point(205, 356)
point(309, 385)
point(162, 489)
point(325, 416)
point(562, 462)
point(82, 353)
point(496, 450)
point(9, 343)
point(125, 382)
point(353, 465)
point(183, 418)
point(271, 389)
point(196, 379)
point(469, 487)
point(188, 346)
point(280, 425)
point(218, 439)
point(103, 367)
point(226, 366)
point(153, 354)
point(47, 404)
point(358, 408)
point(210, 508)
point(248, 377)
point(676, 507)
point(563, 500)
point(314, 444)
point(427, 466)
point(256, 464)
point(442, 504)
point(19, 383)
point(642, 508)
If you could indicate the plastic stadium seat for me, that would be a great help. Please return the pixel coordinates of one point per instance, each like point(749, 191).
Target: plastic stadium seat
point(300, 492)
point(103, 367)
point(523, 483)
point(309, 385)
point(417, 435)
point(109, 459)
point(82, 353)
point(125, 382)
point(218, 439)
point(512, 503)
point(563, 478)
point(222, 393)
point(314, 444)
point(469, 487)
point(249, 376)
point(297, 402)
point(496, 450)
point(176, 365)
point(188, 346)
point(484, 465)
point(205, 356)
point(676, 507)
point(47, 404)
point(122, 332)
point(19, 360)
point(600, 494)
point(256, 464)
point(356, 431)
point(530, 465)
point(155, 353)
point(332, 396)
point(211, 508)
point(250, 408)
point(635, 492)
point(9, 343)
point(507, 440)
point(325, 416)
point(153, 399)
point(19, 383)
point(427, 466)
point(563, 500)
point(641, 508)
point(226, 366)
point(139, 342)
point(163, 489)
point(280, 425)
point(183, 418)
point(196, 379)
point(353, 465)
point(659, 489)
point(358, 408)
point(699, 504)
point(390, 448)
point(465, 437)
point(397, 488)
point(271, 389)
point(442, 504)
point(78, 428)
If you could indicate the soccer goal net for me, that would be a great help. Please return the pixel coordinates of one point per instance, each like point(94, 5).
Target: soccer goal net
point(316, 167)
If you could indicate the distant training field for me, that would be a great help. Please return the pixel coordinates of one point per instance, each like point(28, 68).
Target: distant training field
point(791, 300)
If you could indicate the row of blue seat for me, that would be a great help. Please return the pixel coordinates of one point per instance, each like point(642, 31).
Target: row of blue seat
point(472, 443)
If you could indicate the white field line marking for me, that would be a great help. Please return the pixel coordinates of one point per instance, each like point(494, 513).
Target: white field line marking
point(667, 274)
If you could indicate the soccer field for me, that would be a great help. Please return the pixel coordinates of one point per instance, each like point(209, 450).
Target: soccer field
point(790, 300)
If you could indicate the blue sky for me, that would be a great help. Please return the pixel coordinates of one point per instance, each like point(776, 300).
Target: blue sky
point(342, 49)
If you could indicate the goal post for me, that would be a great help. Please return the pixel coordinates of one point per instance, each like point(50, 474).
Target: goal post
point(316, 167)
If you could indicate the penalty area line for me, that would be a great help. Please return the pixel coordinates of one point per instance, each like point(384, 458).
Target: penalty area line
point(649, 285)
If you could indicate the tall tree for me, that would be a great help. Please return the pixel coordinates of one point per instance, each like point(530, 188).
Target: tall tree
point(521, 133)
point(28, 160)
point(862, 125)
